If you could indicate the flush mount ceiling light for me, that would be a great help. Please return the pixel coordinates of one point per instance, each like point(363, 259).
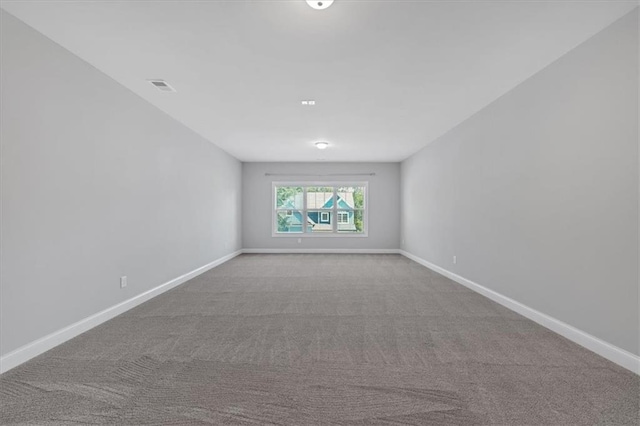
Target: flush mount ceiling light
point(319, 4)
point(308, 102)
point(322, 145)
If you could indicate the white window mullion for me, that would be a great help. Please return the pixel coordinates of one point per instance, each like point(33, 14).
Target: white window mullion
point(334, 223)
point(304, 209)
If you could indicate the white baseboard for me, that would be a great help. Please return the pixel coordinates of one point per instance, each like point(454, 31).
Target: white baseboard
point(33, 349)
point(604, 349)
point(327, 251)
point(617, 355)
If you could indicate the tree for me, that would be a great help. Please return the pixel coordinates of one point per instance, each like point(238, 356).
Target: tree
point(358, 203)
point(358, 198)
point(287, 195)
point(283, 223)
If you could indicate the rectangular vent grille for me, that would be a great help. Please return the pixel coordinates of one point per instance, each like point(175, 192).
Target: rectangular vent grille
point(162, 85)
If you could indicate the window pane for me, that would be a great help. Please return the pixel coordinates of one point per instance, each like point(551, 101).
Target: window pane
point(288, 221)
point(319, 197)
point(350, 197)
point(319, 221)
point(289, 197)
point(351, 221)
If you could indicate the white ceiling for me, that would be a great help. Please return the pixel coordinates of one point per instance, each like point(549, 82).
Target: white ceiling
point(388, 77)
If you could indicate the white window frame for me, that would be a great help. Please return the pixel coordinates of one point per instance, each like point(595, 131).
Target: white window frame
point(324, 216)
point(334, 210)
point(341, 214)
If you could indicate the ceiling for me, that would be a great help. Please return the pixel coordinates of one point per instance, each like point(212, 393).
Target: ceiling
point(388, 77)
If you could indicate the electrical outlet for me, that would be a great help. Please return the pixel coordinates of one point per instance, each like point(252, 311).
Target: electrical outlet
point(299, 240)
point(455, 259)
point(123, 282)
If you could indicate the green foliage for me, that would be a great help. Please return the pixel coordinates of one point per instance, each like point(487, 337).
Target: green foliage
point(358, 203)
point(358, 197)
point(358, 220)
point(320, 189)
point(286, 196)
point(283, 223)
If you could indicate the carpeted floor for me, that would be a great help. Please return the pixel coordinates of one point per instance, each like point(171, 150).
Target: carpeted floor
point(320, 339)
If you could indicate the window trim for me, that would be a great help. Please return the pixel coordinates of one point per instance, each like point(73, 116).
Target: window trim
point(342, 213)
point(334, 210)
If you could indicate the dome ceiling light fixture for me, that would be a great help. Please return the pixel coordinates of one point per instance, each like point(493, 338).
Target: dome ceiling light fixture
point(319, 4)
point(322, 145)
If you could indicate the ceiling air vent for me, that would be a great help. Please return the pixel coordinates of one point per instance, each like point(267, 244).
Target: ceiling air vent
point(162, 85)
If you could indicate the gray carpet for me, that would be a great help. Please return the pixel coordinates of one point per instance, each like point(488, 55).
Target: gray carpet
point(320, 339)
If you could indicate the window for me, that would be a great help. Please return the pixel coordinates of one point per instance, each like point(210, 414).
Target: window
point(343, 218)
point(330, 209)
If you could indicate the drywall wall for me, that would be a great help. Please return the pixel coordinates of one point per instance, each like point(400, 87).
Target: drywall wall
point(383, 204)
point(96, 184)
point(537, 194)
point(638, 118)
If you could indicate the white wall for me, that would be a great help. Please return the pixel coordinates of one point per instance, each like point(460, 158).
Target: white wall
point(537, 194)
point(96, 183)
point(383, 204)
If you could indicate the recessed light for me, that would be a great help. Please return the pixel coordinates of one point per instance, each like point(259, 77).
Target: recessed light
point(307, 102)
point(319, 4)
point(322, 145)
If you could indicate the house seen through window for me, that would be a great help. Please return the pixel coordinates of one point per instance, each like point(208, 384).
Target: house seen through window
point(320, 209)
